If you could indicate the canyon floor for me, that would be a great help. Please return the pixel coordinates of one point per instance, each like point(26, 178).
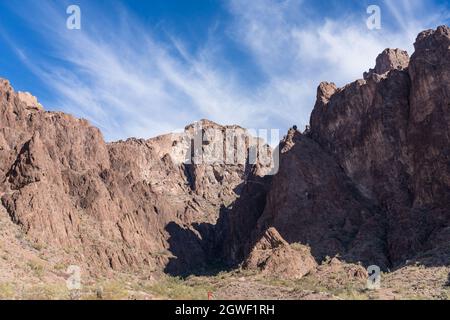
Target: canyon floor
point(37, 273)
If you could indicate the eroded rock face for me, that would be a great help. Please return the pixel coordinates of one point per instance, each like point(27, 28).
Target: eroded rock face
point(312, 202)
point(388, 60)
point(391, 137)
point(369, 180)
point(130, 205)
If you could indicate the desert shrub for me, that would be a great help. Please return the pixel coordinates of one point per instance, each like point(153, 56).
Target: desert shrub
point(7, 291)
point(37, 267)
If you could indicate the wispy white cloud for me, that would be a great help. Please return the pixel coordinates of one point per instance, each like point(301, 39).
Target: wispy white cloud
point(297, 52)
point(129, 83)
point(414, 15)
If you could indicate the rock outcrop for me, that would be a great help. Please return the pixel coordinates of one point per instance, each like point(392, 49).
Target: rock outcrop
point(129, 205)
point(369, 180)
point(388, 60)
point(391, 137)
point(272, 255)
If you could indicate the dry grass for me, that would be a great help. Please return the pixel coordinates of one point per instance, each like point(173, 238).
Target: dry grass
point(36, 267)
point(7, 291)
point(45, 291)
point(178, 289)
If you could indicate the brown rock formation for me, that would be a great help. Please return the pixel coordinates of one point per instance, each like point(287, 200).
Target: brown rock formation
point(129, 205)
point(370, 179)
point(312, 202)
point(391, 137)
point(389, 59)
point(272, 255)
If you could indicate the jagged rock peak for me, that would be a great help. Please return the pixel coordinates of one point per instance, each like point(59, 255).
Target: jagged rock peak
point(389, 59)
point(208, 124)
point(5, 87)
point(4, 83)
point(325, 91)
point(25, 99)
point(29, 100)
point(431, 38)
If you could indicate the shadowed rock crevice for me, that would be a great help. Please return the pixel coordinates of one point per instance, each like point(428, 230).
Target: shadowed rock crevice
point(188, 249)
point(215, 246)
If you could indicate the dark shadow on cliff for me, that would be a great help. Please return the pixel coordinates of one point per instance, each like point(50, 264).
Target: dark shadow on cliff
point(201, 250)
point(322, 208)
point(187, 248)
point(318, 206)
point(195, 250)
point(223, 246)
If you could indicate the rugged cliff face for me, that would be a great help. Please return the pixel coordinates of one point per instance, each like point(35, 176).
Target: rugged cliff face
point(130, 205)
point(390, 134)
point(369, 180)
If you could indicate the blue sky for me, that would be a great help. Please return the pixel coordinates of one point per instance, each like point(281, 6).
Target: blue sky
point(142, 68)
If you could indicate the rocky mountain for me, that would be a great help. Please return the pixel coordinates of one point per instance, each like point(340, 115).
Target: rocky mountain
point(368, 182)
point(370, 179)
point(128, 205)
